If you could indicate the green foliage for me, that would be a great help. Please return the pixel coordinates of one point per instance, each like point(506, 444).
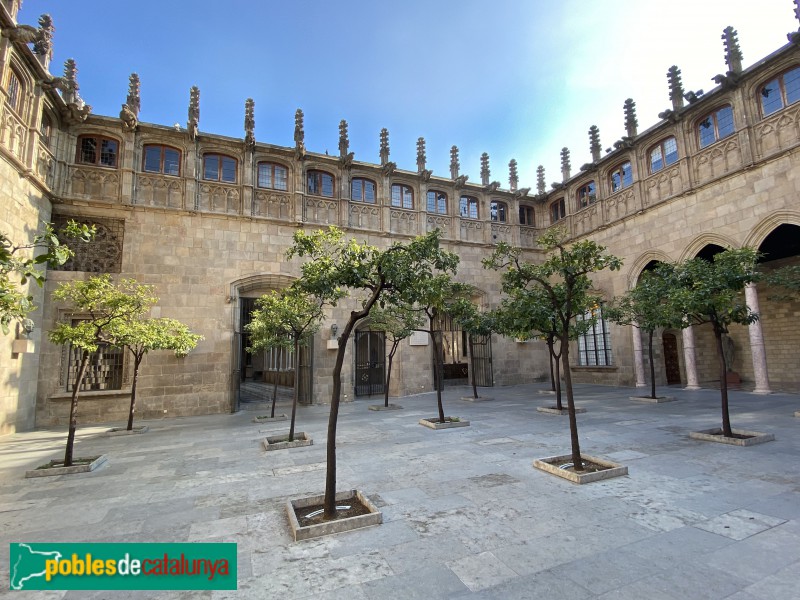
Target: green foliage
point(397, 320)
point(471, 319)
point(19, 263)
point(141, 335)
point(648, 305)
point(788, 280)
point(281, 317)
point(713, 292)
point(104, 308)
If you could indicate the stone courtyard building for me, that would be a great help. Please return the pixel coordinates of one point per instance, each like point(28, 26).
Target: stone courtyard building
point(207, 219)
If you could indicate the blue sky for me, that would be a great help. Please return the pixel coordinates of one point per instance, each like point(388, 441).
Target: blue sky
point(517, 79)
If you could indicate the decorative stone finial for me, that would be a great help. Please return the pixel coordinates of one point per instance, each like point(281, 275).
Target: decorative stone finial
point(421, 157)
point(193, 121)
point(565, 164)
point(733, 54)
point(344, 142)
point(485, 172)
point(675, 87)
point(631, 123)
point(541, 186)
point(299, 134)
point(133, 100)
point(794, 36)
point(513, 175)
point(250, 123)
point(594, 142)
point(454, 164)
point(384, 152)
point(43, 45)
point(70, 92)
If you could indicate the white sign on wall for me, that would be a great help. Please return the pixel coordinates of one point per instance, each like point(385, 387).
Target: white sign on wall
point(418, 338)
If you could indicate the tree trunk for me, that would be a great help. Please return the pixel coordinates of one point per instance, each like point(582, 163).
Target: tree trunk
point(472, 368)
point(551, 353)
point(437, 374)
point(573, 421)
point(723, 385)
point(275, 394)
point(395, 343)
point(652, 365)
point(296, 393)
point(137, 361)
point(559, 404)
point(73, 408)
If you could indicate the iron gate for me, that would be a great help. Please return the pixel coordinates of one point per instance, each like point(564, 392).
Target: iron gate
point(481, 363)
point(370, 362)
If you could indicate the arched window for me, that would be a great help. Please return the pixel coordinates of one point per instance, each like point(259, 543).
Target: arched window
point(621, 177)
point(781, 91)
point(362, 190)
point(272, 176)
point(218, 167)
point(558, 210)
point(319, 183)
point(402, 196)
point(162, 159)
point(468, 207)
point(594, 346)
point(498, 211)
point(15, 91)
point(663, 154)
point(587, 194)
point(437, 202)
point(46, 130)
point(715, 126)
point(526, 215)
point(97, 150)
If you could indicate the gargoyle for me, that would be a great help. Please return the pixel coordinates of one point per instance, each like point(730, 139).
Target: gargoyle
point(493, 186)
point(26, 34)
point(129, 120)
point(425, 174)
point(460, 181)
point(77, 114)
point(388, 168)
point(522, 192)
point(728, 81)
point(347, 160)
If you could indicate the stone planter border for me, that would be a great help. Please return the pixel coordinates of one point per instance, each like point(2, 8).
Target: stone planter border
point(656, 400)
point(269, 419)
point(434, 424)
point(548, 392)
point(552, 410)
point(383, 407)
point(279, 442)
point(478, 399)
point(715, 435)
point(114, 431)
point(549, 465)
point(53, 471)
point(375, 517)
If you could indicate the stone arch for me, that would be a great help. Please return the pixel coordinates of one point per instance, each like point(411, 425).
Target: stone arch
point(704, 240)
point(760, 232)
point(641, 263)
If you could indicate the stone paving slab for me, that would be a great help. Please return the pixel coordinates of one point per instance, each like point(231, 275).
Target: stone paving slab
point(466, 515)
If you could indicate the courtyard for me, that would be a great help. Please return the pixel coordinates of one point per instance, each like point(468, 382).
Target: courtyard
point(465, 513)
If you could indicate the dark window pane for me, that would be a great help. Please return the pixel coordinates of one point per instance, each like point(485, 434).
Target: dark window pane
point(771, 100)
point(431, 201)
point(627, 175)
point(656, 160)
point(369, 191)
point(89, 150)
point(152, 159)
point(172, 161)
point(228, 169)
point(108, 153)
point(211, 168)
point(264, 175)
point(725, 121)
point(706, 130)
point(670, 151)
point(791, 83)
point(281, 178)
point(327, 185)
point(356, 191)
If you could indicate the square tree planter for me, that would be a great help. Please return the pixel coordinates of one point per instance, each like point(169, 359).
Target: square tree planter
point(749, 438)
point(281, 442)
point(552, 410)
point(656, 400)
point(269, 419)
point(478, 399)
point(373, 517)
point(51, 469)
point(434, 423)
point(384, 407)
point(114, 431)
point(553, 464)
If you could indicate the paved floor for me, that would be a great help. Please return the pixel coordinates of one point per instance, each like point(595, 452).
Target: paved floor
point(465, 514)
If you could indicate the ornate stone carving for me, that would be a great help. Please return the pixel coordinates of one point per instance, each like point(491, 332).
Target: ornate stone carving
point(522, 192)
point(128, 118)
point(454, 164)
point(733, 58)
point(421, 158)
point(485, 171)
point(249, 123)
point(193, 122)
point(631, 122)
point(513, 175)
point(133, 100)
point(594, 142)
point(460, 181)
point(794, 37)
point(675, 87)
point(384, 147)
point(299, 135)
point(541, 186)
point(565, 164)
point(344, 141)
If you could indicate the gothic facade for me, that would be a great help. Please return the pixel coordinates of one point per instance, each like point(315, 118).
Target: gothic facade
point(206, 219)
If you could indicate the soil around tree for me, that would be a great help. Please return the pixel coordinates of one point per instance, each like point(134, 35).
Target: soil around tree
point(312, 515)
point(83, 464)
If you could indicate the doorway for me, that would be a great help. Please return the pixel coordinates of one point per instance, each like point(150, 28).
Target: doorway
point(671, 363)
point(370, 367)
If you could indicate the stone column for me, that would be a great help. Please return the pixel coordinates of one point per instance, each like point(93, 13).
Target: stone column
point(757, 343)
point(638, 362)
point(689, 359)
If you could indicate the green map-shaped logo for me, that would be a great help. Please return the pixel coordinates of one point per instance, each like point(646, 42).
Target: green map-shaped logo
point(28, 564)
